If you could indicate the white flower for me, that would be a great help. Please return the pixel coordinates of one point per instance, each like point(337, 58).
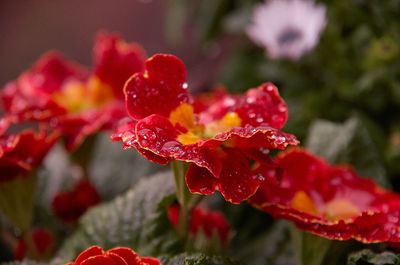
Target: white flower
point(287, 28)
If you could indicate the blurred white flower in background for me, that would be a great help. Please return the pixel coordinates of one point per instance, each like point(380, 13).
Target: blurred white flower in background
point(287, 28)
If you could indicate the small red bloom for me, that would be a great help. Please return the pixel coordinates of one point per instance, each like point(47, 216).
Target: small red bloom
point(209, 222)
point(44, 243)
point(70, 205)
point(95, 255)
point(68, 97)
point(23, 152)
point(228, 128)
point(330, 201)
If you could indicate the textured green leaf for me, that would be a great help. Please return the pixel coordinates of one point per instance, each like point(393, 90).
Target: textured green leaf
point(350, 143)
point(24, 262)
point(367, 256)
point(197, 259)
point(136, 219)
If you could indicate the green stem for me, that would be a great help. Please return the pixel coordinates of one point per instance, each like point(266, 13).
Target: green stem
point(186, 199)
point(310, 249)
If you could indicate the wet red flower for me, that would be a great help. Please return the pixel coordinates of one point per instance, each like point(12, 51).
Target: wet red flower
point(44, 243)
point(209, 222)
point(218, 138)
point(70, 205)
point(68, 97)
point(21, 153)
point(330, 201)
point(95, 255)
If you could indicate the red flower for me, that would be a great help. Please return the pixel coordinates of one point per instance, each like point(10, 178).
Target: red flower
point(218, 140)
point(23, 152)
point(209, 222)
point(95, 255)
point(66, 96)
point(330, 201)
point(70, 205)
point(43, 241)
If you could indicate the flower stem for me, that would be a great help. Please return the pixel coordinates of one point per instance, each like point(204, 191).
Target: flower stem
point(310, 249)
point(186, 199)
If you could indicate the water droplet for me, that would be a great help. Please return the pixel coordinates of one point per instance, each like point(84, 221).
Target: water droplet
point(252, 115)
point(259, 119)
point(282, 107)
point(270, 87)
point(278, 139)
point(205, 190)
point(185, 86)
point(154, 91)
point(172, 147)
point(147, 134)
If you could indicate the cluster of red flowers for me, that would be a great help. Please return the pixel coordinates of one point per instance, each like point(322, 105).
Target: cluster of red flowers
point(219, 137)
point(70, 205)
point(209, 222)
point(226, 139)
point(43, 241)
point(71, 99)
point(95, 255)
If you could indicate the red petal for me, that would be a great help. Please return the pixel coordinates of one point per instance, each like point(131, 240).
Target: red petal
point(23, 152)
point(254, 137)
point(115, 60)
point(43, 240)
point(150, 261)
point(163, 83)
point(156, 134)
point(259, 106)
point(99, 260)
point(173, 212)
point(237, 181)
point(126, 134)
point(90, 252)
point(130, 256)
point(117, 259)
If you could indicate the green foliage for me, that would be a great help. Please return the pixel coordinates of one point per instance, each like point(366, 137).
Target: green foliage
point(136, 219)
point(367, 256)
point(196, 259)
point(349, 143)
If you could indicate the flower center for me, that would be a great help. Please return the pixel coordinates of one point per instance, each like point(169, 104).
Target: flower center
point(335, 209)
point(184, 119)
point(77, 97)
point(289, 36)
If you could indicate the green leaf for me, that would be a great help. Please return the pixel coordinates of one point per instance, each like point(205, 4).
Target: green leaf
point(367, 256)
point(197, 259)
point(271, 246)
point(137, 219)
point(351, 143)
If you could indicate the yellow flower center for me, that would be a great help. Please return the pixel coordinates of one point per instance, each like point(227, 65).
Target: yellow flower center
point(77, 96)
point(184, 116)
point(335, 209)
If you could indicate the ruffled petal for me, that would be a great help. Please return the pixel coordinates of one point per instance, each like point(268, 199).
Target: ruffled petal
point(23, 152)
point(238, 179)
point(126, 133)
point(160, 90)
point(261, 106)
point(115, 60)
point(156, 134)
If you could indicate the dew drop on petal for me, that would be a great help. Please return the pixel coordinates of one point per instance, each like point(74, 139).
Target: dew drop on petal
point(147, 134)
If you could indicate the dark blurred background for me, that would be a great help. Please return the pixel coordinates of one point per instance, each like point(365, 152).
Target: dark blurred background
point(30, 28)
